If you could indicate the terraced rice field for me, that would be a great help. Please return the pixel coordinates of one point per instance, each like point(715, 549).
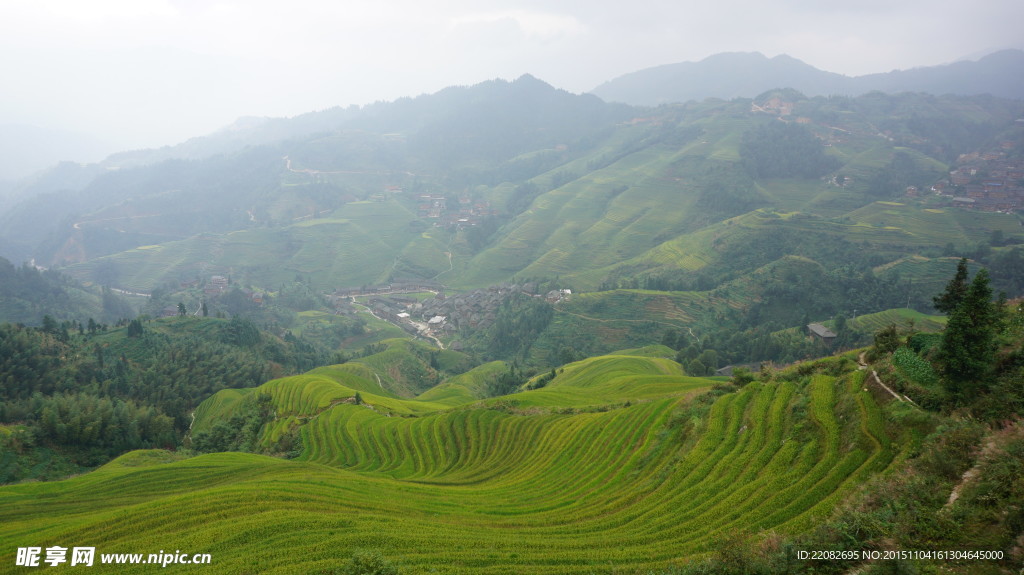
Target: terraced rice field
point(357, 245)
point(638, 480)
point(931, 272)
point(875, 322)
point(933, 227)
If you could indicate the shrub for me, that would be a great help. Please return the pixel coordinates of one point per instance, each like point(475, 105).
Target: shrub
point(368, 563)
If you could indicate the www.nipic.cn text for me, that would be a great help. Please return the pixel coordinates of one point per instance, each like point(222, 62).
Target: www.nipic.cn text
point(86, 556)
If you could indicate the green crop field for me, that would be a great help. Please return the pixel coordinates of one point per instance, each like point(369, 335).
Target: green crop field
point(611, 467)
point(935, 227)
point(902, 318)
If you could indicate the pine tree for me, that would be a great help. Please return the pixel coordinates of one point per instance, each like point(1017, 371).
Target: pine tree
point(968, 344)
point(956, 290)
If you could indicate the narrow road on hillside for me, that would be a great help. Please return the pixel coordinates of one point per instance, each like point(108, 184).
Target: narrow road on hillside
point(878, 381)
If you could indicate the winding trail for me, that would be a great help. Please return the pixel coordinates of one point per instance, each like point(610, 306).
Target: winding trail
point(448, 253)
point(986, 452)
point(878, 380)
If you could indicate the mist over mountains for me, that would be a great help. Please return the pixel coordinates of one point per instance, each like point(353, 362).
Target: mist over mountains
point(745, 75)
point(496, 147)
point(25, 150)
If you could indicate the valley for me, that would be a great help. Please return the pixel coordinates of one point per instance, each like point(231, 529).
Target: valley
point(503, 328)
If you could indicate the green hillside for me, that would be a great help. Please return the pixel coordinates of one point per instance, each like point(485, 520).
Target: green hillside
point(358, 244)
point(614, 466)
point(344, 214)
point(688, 201)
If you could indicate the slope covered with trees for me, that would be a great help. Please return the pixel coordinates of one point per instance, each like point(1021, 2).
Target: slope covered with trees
point(28, 295)
point(71, 400)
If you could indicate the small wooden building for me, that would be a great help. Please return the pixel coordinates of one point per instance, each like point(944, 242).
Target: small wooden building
point(821, 332)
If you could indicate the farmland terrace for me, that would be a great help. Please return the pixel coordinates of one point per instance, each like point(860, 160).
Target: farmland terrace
point(618, 462)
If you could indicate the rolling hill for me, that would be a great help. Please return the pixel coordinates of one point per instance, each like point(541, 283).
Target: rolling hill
point(614, 465)
point(664, 192)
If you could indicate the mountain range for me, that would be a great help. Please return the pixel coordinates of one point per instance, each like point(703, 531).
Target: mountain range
point(503, 328)
point(747, 74)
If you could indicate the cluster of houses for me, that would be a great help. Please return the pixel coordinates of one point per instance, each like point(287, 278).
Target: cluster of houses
point(476, 309)
point(442, 314)
point(215, 286)
point(989, 181)
point(468, 213)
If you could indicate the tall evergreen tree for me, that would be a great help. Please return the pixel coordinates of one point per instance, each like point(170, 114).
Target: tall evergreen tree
point(956, 290)
point(968, 344)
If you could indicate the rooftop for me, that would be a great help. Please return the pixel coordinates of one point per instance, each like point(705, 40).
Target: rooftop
point(820, 330)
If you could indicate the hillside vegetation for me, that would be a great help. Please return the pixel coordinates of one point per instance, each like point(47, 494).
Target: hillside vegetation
point(72, 398)
point(711, 218)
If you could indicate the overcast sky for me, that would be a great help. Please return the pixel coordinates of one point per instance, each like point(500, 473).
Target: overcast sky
point(141, 73)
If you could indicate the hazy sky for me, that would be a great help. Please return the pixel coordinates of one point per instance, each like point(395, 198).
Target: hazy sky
point(142, 73)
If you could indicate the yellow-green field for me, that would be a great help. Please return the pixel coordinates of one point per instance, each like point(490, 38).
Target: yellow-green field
point(609, 468)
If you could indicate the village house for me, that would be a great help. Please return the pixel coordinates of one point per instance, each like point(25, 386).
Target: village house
point(819, 331)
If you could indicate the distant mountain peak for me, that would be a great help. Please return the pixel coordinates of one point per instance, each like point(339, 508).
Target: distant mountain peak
point(530, 78)
point(746, 74)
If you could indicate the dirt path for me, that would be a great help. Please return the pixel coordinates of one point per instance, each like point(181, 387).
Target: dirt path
point(970, 474)
point(878, 381)
point(451, 266)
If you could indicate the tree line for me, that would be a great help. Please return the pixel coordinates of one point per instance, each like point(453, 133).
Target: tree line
point(72, 400)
